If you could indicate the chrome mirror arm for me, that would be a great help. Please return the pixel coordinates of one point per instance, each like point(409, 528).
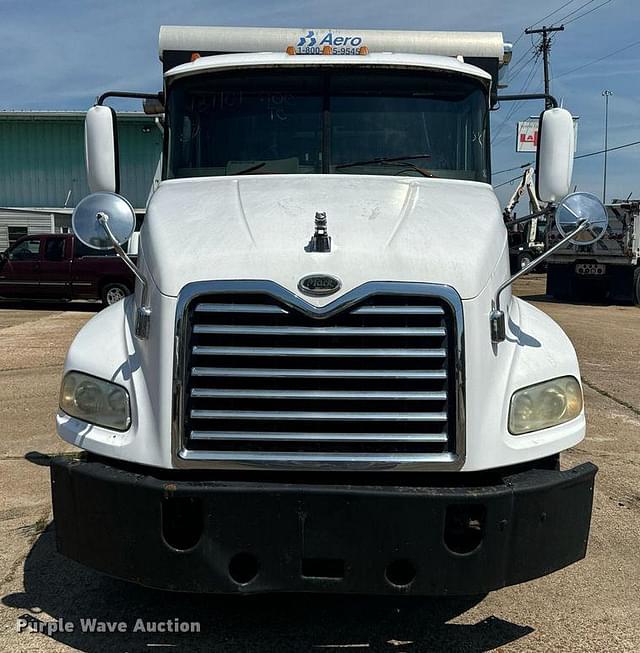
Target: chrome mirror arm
point(103, 219)
point(143, 315)
point(496, 317)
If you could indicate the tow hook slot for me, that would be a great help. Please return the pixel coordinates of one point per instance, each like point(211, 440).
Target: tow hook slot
point(182, 522)
point(243, 568)
point(464, 528)
point(400, 573)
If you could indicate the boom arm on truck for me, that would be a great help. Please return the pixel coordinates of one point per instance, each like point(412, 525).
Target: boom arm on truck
point(526, 241)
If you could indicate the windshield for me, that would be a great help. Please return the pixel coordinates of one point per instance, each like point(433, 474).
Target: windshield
point(332, 121)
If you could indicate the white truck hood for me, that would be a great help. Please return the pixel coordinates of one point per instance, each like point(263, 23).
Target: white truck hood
point(383, 228)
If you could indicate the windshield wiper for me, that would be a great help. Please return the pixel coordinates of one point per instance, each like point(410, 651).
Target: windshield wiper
point(383, 159)
point(255, 166)
point(404, 161)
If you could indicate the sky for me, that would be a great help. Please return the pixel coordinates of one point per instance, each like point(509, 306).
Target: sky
point(61, 55)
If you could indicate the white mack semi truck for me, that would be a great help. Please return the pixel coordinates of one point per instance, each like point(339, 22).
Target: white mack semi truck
point(323, 381)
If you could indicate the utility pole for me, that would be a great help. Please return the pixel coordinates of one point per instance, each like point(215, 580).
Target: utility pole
point(606, 95)
point(545, 48)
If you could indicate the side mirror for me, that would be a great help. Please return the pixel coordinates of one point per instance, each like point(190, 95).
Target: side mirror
point(101, 149)
point(103, 220)
point(556, 148)
point(582, 219)
point(575, 209)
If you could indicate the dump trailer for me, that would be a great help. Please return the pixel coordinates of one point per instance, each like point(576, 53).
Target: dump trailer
point(315, 386)
point(609, 267)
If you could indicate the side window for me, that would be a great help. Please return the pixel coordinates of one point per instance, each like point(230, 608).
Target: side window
point(27, 250)
point(15, 233)
point(54, 249)
point(80, 250)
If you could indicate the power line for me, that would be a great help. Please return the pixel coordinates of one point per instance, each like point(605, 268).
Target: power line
point(581, 156)
point(590, 63)
point(610, 149)
point(524, 165)
point(586, 13)
point(575, 11)
point(536, 22)
point(517, 105)
point(516, 71)
point(545, 31)
point(522, 57)
point(544, 49)
point(513, 45)
point(555, 11)
point(504, 183)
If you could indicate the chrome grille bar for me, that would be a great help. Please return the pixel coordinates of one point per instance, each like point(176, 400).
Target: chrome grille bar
point(366, 382)
point(324, 352)
point(290, 436)
point(297, 460)
point(398, 310)
point(318, 331)
point(240, 308)
point(325, 416)
point(271, 372)
point(347, 395)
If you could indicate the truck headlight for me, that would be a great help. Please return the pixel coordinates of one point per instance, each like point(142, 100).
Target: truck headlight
point(95, 400)
point(545, 404)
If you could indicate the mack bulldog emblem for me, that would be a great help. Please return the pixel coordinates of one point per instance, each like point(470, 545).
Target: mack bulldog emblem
point(319, 284)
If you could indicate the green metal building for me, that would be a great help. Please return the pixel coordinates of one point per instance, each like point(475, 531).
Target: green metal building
point(42, 166)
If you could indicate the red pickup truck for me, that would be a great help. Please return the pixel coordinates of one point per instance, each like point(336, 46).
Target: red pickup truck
point(59, 266)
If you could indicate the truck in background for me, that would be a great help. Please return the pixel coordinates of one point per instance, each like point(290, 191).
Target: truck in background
point(608, 268)
point(315, 386)
point(60, 267)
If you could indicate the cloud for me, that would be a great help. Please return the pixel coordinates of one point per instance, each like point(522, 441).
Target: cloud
point(60, 55)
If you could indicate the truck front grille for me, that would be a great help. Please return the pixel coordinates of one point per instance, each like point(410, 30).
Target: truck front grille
point(269, 380)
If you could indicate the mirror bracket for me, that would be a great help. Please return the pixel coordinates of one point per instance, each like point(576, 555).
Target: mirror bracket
point(143, 315)
point(497, 318)
point(159, 97)
point(549, 99)
point(528, 217)
point(143, 322)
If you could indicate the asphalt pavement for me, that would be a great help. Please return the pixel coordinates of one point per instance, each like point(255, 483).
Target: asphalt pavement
point(593, 605)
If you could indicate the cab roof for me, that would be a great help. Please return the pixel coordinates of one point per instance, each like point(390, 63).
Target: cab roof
point(275, 59)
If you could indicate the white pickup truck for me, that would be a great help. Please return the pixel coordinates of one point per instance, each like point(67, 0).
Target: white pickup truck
point(323, 382)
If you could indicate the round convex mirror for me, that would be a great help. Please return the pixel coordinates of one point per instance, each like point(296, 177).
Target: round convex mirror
point(577, 207)
point(121, 222)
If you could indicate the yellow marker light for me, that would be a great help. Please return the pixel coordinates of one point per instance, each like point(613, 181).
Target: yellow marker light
point(290, 49)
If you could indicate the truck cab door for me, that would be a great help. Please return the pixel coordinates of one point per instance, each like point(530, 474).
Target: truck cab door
point(20, 269)
point(55, 272)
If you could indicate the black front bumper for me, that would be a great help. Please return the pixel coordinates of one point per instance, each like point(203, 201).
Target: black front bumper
point(228, 536)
